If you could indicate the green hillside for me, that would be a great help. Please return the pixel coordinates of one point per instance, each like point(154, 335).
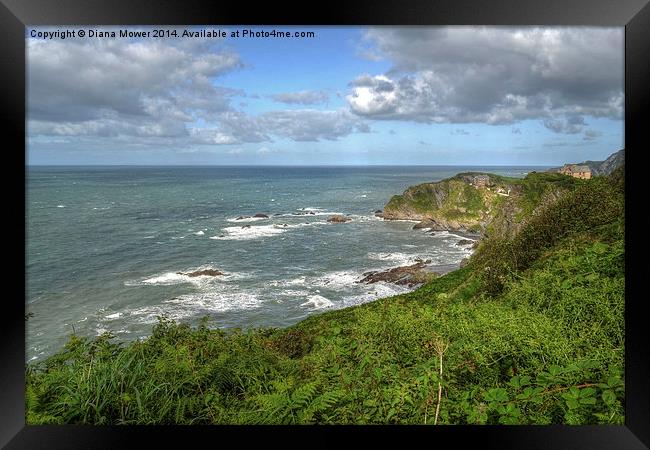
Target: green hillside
point(457, 204)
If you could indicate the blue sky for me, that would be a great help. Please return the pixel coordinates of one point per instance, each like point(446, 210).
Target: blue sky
point(349, 95)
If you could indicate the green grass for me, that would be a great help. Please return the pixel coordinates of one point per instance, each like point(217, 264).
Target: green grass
point(536, 339)
point(465, 203)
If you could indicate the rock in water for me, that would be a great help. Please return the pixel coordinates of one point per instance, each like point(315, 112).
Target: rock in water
point(261, 216)
point(464, 262)
point(405, 275)
point(338, 218)
point(204, 272)
point(426, 223)
point(463, 242)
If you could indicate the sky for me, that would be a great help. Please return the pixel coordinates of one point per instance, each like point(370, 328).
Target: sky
point(346, 96)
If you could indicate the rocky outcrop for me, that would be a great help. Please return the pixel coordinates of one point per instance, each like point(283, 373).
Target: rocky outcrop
point(201, 273)
point(256, 216)
point(461, 203)
point(449, 225)
point(405, 275)
point(613, 162)
point(464, 242)
point(338, 218)
point(426, 224)
point(477, 204)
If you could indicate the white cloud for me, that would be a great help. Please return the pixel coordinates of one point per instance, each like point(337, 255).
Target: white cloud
point(155, 92)
point(493, 75)
point(591, 135)
point(302, 97)
point(311, 125)
point(569, 125)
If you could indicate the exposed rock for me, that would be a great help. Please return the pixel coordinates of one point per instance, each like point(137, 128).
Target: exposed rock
point(454, 204)
point(204, 272)
point(338, 218)
point(613, 162)
point(240, 218)
point(245, 226)
point(464, 262)
point(464, 242)
point(441, 225)
point(475, 245)
point(404, 275)
point(426, 223)
point(606, 167)
point(312, 213)
point(261, 216)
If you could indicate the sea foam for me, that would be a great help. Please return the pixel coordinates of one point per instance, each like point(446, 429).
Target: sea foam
point(397, 258)
point(317, 302)
point(246, 219)
point(172, 278)
point(259, 231)
point(197, 304)
point(252, 232)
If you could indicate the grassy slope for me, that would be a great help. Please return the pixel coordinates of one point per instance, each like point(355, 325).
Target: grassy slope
point(466, 204)
point(530, 332)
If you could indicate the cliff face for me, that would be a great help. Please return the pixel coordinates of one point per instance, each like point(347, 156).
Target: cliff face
point(475, 202)
point(458, 203)
point(614, 161)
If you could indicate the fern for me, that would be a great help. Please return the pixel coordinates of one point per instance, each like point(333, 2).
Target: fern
point(272, 408)
point(303, 395)
point(320, 405)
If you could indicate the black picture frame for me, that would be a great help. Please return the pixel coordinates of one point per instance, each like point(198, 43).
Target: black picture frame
point(634, 15)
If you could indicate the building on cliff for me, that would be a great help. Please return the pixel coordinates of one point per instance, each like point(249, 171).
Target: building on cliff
point(481, 181)
point(576, 171)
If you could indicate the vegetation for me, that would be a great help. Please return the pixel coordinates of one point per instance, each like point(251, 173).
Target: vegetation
point(529, 332)
point(456, 199)
point(452, 199)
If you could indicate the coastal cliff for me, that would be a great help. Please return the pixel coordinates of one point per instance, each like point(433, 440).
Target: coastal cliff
point(486, 203)
point(475, 202)
point(613, 161)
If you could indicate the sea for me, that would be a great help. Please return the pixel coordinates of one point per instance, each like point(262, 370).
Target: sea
point(108, 248)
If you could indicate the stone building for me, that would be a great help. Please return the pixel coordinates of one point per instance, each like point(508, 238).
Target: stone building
point(576, 171)
point(481, 181)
